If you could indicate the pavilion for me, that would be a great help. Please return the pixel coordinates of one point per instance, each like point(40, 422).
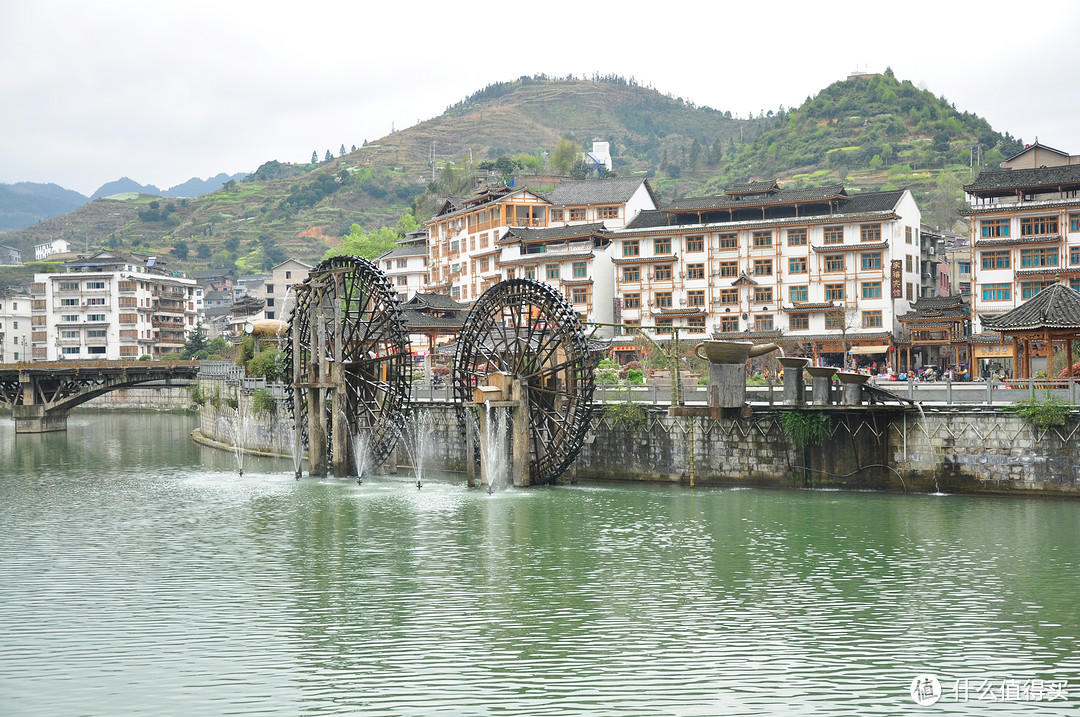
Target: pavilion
point(1051, 316)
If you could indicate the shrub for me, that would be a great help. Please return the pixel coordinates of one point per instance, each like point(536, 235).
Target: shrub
point(629, 366)
point(806, 428)
point(263, 402)
point(1047, 413)
point(627, 414)
point(635, 377)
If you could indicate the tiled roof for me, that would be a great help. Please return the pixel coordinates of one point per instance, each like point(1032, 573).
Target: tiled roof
point(526, 235)
point(438, 302)
point(1055, 307)
point(986, 337)
point(1011, 241)
point(552, 258)
point(752, 187)
point(649, 219)
point(416, 320)
point(849, 247)
point(408, 250)
point(681, 312)
point(1011, 180)
point(596, 191)
point(784, 196)
point(810, 306)
point(645, 259)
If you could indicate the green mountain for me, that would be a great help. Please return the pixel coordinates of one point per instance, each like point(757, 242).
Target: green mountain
point(870, 132)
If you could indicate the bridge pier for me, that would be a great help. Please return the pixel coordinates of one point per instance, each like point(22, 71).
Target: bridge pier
point(38, 418)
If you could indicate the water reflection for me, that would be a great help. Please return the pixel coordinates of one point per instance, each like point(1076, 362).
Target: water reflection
point(141, 574)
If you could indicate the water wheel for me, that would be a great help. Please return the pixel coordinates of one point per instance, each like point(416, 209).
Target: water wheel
point(529, 330)
point(347, 312)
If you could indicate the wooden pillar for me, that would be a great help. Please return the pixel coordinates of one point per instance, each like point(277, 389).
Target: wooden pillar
point(1016, 371)
point(339, 422)
point(1068, 357)
point(297, 379)
point(521, 454)
point(317, 391)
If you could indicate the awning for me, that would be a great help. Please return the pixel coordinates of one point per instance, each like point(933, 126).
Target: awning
point(868, 350)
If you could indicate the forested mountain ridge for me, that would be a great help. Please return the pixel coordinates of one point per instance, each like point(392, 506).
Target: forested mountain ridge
point(870, 132)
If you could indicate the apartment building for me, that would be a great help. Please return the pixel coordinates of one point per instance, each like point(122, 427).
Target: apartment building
point(110, 305)
point(465, 237)
point(406, 264)
point(1025, 236)
point(819, 268)
point(275, 289)
point(14, 325)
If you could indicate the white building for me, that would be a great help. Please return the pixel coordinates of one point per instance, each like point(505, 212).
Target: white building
point(465, 238)
point(111, 305)
point(406, 264)
point(14, 326)
point(56, 246)
point(10, 256)
point(275, 290)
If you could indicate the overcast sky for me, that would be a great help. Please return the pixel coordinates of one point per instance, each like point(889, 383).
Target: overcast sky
point(91, 91)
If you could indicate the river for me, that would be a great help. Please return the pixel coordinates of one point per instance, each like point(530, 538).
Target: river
point(140, 574)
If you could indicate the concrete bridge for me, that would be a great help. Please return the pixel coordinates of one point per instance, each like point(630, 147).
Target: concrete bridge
point(41, 394)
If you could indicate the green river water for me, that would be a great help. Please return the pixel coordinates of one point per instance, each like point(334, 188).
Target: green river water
point(141, 575)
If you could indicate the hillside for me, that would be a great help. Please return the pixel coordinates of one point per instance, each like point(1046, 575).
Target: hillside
point(27, 203)
point(870, 132)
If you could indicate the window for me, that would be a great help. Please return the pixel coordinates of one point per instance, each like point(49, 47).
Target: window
point(871, 290)
point(872, 319)
point(762, 267)
point(270, 301)
point(908, 264)
point(797, 265)
point(870, 260)
point(663, 326)
point(695, 244)
point(95, 350)
point(834, 292)
point(580, 269)
point(556, 215)
point(965, 267)
point(695, 271)
point(996, 292)
point(796, 237)
point(95, 285)
point(1030, 258)
point(799, 294)
point(1074, 222)
point(269, 288)
point(834, 263)
point(909, 291)
point(632, 301)
point(763, 322)
point(729, 268)
point(484, 240)
point(288, 275)
point(762, 239)
point(552, 271)
point(402, 263)
point(833, 235)
point(577, 214)
point(870, 232)
point(530, 272)
point(907, 235)
point(579, 295)
point(729, 325)
point(696, 324)
point(834, 320)
point(662, 246)
point(607, 212)
point(68, 286)
point(69, 302)
point(631, 274)
point(799, 322)
point(729, 297)
point(1038, 226)
point(128, 318)
point(402, 280)
point(1074, 255)
point(695, 299)
point(994, 228)
point(631, 247)
point(1029, 289)
point(995, 259)
point(69, 350)
point(729, 241)
point(484, 265)
point(663, 299)
point(662, 272)
point(763, 294)
point(95, 318)
point(69, 334)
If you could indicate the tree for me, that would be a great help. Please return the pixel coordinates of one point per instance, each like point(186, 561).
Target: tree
point(341, 152)
point(329, 156)
point(195, 342)
point(180, 250)
point(565, 155)
point(314, 157)
point(203, 251)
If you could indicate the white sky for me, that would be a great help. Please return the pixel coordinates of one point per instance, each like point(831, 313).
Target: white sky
point(164, 91)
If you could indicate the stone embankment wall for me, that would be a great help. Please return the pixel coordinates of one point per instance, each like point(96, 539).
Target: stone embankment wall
point(881, 448)
point(173, 398)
